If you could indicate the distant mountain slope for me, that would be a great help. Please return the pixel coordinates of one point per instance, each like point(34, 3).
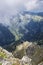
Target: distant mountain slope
point(33, 13)
point(27, 27)
point(6, 37)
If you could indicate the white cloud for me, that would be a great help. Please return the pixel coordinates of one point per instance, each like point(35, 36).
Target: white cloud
point(9, 8)
point(31, 4)
point(34, 5)
point(12, 7)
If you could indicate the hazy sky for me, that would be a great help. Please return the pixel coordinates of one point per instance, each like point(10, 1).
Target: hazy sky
point(20, 5)
point(11, 7)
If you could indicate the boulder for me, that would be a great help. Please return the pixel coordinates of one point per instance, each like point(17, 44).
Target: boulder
point(35, 52)
point(21, 49)
point(26, 60)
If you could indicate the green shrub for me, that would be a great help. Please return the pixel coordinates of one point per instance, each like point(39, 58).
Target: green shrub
point(3, 55)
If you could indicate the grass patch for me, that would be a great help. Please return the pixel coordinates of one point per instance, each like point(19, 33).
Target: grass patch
point(3, 55)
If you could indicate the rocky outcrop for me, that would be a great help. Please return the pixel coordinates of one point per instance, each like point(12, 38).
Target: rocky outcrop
point(4, 55)
point(26, 60)
point(21, 49)
point(35, 52)
point(28, 51)
point(6, 58)
point(26, 54)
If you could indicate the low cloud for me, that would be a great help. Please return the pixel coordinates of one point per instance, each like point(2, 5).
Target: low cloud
point(12, 7)
point(34, 5)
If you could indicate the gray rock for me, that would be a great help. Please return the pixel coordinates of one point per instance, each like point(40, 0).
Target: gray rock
point(35, 52)
point(6, 63)
point(26, 60)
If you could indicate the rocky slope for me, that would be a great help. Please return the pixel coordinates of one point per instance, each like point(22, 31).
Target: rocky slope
point(24, 54)
point(30, 53)
point(6, 58)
